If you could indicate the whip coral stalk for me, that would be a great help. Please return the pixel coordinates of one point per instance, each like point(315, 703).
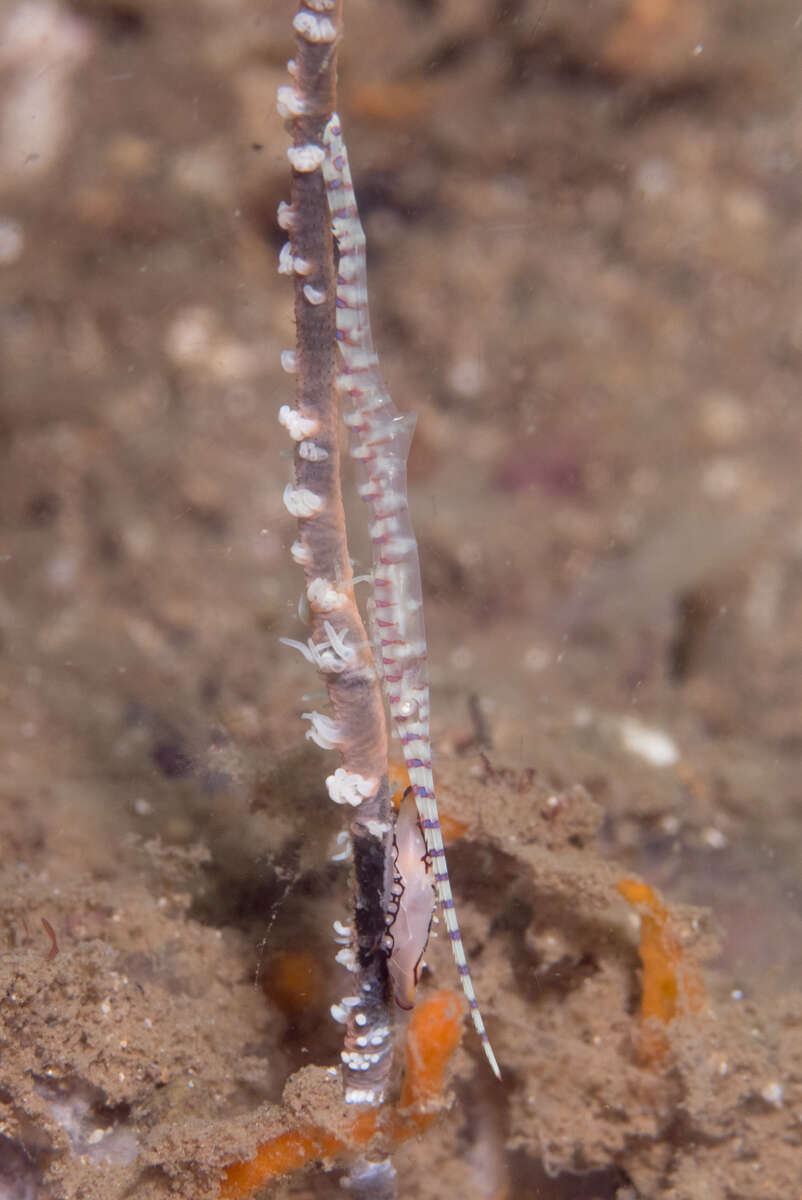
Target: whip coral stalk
point(393, 875)
point(338, 645)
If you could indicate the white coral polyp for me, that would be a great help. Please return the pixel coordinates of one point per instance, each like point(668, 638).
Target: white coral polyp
point(323, 732)
point(301, 502)
point(297, 426)
point(306, 158)
point(323, 596)
point(348, 787)
point(332, 655)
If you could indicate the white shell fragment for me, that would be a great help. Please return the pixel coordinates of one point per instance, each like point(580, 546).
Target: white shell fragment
point(289, 361)
point(644, 741)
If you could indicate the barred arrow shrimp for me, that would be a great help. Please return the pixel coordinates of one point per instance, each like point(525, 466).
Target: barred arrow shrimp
point(380, 440)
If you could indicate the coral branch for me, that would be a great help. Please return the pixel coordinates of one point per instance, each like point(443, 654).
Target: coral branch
point(282, 1154)
point(338, 644)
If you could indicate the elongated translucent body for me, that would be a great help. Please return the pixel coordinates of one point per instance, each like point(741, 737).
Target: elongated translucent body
point(380, 440)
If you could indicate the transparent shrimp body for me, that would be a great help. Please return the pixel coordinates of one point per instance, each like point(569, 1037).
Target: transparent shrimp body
point(380, 441)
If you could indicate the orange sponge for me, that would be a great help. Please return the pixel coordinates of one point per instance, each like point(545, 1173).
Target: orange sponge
point(670, 986)
point(434, 1033)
